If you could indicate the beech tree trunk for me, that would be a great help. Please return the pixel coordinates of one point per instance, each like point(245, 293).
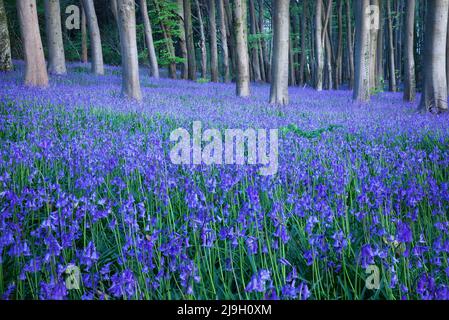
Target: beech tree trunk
point(350, 44)
point(84, 55)
point(319, 52)
point(242, 57)
point(410, 83)
point(182, 41)
point(130, 64)
point(374, 38)
point(303, 42)
point(202, 41)
point(5, 45)
point(56, 57)
point(255, 47)
point(434, 95)
point(35, 67)
point(189, 40)
point(154, 66)
point(224, 41)
point(281, 27)
point(213, 42)
point(392, 65)
point(362, 55)
point(95, 38)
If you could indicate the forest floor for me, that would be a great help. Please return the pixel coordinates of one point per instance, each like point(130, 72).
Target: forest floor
point(86, 183)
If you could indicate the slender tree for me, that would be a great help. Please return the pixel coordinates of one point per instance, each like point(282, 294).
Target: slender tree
point(56, 57)
point(350, 44)
point(130, 65)
point(362, 55)
point(303, 43)
point(242, 57)
point(5, 46)
point(95, 38)
point(391, 49)
point(374, 42)
point(281, 26)
point(84, 54)
point(168, 41)
point(213, 42)
point(410, 84)
point(319, 52)
point(254, 46)
point(189, 40)
point(154, 66)
point(182, 41)
point(202, 41)
point(434, 94)
point(35, 68)
point(224, 40)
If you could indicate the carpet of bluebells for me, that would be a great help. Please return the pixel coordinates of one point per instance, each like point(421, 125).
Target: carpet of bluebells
point(86, 181)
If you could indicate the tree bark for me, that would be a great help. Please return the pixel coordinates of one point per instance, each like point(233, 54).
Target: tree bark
point(224, 41)
point(242, 57)
point(319, 52)
point(84, 55)
point(56, 57)
point(154, 66)
point(350, 44)
point(303, 42)
point(434, 95)
point(362, 56)
point(281, 27)
point(392, 82)
point(35, 68)
point(202, 41)
point(189, 40)
point(374, 38)
point(182, 41)
point(95, 38)
point(255, 46)
point(213, 42)
point(5, 45)
point(410, 83)
point(128, 43)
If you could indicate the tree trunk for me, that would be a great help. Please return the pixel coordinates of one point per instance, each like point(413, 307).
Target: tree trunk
point(213, 42)
point(95, 38)
point(35, 70)
point(281, 26)
point(362, 56)
point(255, 46)
point(126, 17)
point(84, 56)
point(434, 95)
point(182, 41)
point(189, 39)
point(380, 50)
point(224, 41)
point(350, 44)
point(339, 59)
point(410, 84)
point(202, 41)
point(374, 38)
point(319, 52)
point(242, 58)
point(266, 60)
point(5, 45)
point(154, 67)
point(56, 57)
point(392, 82)
point(303, 42)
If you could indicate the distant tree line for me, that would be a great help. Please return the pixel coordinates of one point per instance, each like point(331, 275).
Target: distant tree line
point(367, 46)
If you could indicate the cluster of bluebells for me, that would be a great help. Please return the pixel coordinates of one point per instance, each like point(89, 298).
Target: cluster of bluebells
point(86, 181)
